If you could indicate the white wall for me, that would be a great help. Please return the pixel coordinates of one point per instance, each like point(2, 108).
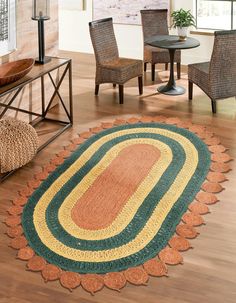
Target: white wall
point(74, 35)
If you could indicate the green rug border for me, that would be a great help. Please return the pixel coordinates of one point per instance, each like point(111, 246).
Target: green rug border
point(143, 212)
point(152, 249)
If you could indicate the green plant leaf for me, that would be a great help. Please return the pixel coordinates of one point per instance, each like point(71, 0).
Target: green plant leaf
point(183, 18)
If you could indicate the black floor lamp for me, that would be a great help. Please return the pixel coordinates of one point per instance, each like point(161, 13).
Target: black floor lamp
point(41, 13)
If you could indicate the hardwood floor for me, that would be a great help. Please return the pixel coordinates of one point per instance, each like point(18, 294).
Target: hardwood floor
point(209, 271)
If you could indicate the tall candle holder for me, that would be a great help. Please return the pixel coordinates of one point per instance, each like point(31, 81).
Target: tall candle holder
point(41, 13)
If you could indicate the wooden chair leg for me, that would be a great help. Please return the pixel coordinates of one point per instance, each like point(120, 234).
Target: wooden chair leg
point(114, 85)
point(96, 89)
point(145, 66)
point(153, 72)
point(166, 66)
point(178, 70)
point(140, 85)
point(121, 94)
point(190, 90)
point(213, 106)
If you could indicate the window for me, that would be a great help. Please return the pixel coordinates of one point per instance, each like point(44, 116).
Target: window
point(7, 26)
point(216, 14)
point(3, 20)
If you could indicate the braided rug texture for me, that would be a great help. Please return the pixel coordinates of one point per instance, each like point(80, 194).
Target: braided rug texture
point(122, 207)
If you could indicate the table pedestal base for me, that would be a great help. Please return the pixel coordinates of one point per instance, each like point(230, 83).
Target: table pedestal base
point(171, 90)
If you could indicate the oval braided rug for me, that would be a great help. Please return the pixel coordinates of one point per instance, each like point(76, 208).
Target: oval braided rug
point(108, 214)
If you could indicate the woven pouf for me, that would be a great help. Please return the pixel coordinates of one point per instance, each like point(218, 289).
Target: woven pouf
point(18, 144)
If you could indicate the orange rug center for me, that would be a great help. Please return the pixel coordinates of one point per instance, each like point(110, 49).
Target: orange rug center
point(104, 200)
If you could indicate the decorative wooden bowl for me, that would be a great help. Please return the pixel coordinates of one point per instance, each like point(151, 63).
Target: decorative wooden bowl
point(13, 71)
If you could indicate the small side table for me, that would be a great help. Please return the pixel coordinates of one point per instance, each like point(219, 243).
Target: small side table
point(172, 43)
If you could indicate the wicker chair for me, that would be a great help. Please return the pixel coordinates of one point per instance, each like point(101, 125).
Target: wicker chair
point(154, 22)
point(217, 78)
point(110, 68)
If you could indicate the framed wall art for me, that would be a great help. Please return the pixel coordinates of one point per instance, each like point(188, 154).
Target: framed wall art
point(7, 26)
point(125, 11)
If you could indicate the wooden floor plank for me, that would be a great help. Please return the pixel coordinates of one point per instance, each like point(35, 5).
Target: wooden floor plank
point(209, 270)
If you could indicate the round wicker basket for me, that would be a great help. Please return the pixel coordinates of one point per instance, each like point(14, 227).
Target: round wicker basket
point(18, 144)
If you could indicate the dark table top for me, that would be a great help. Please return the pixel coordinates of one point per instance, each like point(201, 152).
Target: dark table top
point(172, 42)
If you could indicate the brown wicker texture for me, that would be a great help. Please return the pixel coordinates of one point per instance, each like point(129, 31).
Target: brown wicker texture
point(18, 144)
point(154, 22)
point(217, 78)
point(110, 67)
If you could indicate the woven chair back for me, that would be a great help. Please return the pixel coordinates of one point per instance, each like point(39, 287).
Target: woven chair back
point(154, 22)
point(222, 71)
point(104, 40)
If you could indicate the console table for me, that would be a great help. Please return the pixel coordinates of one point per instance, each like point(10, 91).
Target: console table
point(39, 71)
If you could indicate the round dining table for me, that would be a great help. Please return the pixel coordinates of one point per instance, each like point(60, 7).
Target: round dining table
point(172, 43)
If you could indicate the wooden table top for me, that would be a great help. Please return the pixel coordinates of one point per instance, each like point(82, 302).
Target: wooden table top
point(37, 71)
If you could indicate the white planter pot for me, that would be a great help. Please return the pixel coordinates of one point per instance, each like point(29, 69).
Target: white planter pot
point(182, 33)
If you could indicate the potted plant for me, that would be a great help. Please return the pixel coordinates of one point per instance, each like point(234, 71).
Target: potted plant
point(182, 20)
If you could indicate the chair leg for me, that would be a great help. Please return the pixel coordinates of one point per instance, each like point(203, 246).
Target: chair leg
point(178, 70)
point(145, 66)
point(140, 85)
point(114, 85)
point(153, 72)
point(96, 89)
point(121, 94)
point(190, 90)
point(166, 66)
point(213, 106)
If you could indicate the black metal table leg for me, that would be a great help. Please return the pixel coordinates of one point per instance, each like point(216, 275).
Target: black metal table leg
point(56, 92)
point(43, 96)
point(70, 92)
point(171, 88)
